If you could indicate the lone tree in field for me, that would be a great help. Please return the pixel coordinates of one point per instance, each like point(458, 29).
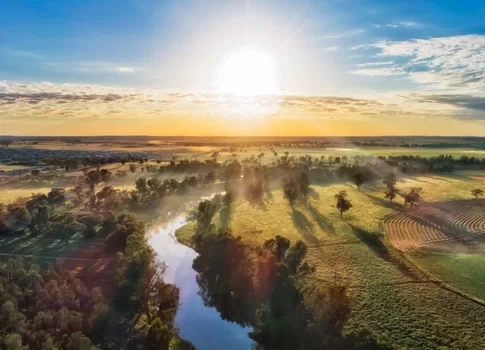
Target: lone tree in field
point(414, 196)
point(391, 190)
point(304, 183)
point(477, 193)
point(343, 204)
point(290, 189)
point(92, 179)
point(359, 180)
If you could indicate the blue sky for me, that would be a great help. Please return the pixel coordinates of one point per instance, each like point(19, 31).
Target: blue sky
point(365, 49)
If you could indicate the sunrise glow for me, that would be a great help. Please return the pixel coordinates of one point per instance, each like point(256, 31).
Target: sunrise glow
point(248, 72)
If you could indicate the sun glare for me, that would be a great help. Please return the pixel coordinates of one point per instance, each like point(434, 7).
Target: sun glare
point(248, 72)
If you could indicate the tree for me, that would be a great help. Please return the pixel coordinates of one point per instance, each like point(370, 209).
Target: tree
point(343, 204)
point(132, 168)
point(290, 189)
point(304, 183)
point(215, 156)
point(35, 172)
point(92, 179)
point(391, 191)
point(390, 194)
point(158, 336)
point(477, 193)
point(414, 196)
point(79, 341)
point(14, 342)
point(105, 175)
point(78, 190)
point(359, 179)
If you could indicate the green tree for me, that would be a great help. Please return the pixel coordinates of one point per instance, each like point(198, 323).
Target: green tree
point(290, 189)
point(304, 183)
point(343, 204)
point(413, 196)
point(92, 178)
point(14, 342)
point(79, 341)
point(477, 193)
point(359, 180)
point(158, 336)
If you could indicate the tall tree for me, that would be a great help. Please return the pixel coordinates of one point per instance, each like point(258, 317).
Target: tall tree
point(413, 196)
point(359, 179)
point(343, 204)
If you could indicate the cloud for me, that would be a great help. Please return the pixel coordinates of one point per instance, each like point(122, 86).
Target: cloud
point(382, 63)
point(472, 102)
point(408, 24)
point(330, 48)
point(339, 35)
point(125, 69)
point(22, 53)
point(385, 26)
point(454, 62)
point(49, 101)
point(385, 71)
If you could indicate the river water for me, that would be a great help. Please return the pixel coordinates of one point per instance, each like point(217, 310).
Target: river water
point(200, 325)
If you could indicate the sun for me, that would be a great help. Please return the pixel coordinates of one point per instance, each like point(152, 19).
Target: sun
point(248, 72)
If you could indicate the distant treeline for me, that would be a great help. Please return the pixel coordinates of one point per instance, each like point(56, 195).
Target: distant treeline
point(268, 141)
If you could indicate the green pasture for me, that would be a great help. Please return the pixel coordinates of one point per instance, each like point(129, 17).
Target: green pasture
point(389, 295)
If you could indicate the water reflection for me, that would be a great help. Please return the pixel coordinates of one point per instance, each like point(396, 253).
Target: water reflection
point(199, 324)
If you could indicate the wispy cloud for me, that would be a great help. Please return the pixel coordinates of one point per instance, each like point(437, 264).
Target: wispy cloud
point(77, 66)
point(36, 101)
point(125, 69)
point(384, 71)
point(341, 35)
point(408, 24)
point(454, 62)
point(369, 64)
point(22, 53)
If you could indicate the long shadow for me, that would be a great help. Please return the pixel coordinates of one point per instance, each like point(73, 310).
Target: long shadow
point(384, 202)
point(374, 242)
point(225, 215)
point(313, 194)
point(304, 227)
point(321, 220)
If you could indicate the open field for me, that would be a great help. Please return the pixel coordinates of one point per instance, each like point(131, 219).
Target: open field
point(389, 294)
point(8, 196)
point(461, 270)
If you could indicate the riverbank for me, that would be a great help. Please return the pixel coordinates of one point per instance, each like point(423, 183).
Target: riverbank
point(198, 324)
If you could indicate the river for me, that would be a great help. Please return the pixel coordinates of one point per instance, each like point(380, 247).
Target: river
point(201, 325)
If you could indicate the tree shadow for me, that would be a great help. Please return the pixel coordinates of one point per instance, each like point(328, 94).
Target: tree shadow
point(384, 202)
point(304, 227)
point(225, 215)
point(321, 220)
point(313, 194)
point(374, 242)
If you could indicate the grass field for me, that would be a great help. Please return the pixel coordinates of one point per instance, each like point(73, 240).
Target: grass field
point(461, 270)
point(389, 295)
point(349, 152)
point(10, 195)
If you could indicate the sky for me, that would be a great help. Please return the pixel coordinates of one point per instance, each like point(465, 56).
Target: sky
point(315, 68)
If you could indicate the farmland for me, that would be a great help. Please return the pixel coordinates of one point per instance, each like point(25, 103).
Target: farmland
point(413, 275)
point(389, 293)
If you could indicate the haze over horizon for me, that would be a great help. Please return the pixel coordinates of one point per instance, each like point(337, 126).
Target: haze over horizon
point(222, 68)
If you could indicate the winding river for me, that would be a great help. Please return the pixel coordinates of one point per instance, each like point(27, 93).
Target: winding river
point(200, 325)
